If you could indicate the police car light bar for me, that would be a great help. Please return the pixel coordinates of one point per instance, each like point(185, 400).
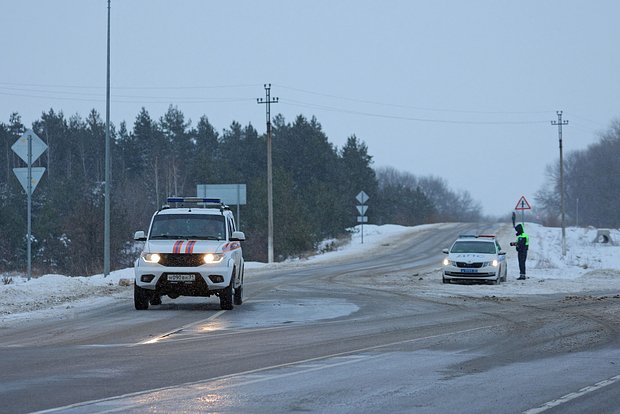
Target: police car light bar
point(492, 236)
point(467, 235)
point(194, 200)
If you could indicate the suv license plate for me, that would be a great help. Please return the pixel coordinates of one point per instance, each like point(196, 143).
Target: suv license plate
point(469, 271)
point(181, 278)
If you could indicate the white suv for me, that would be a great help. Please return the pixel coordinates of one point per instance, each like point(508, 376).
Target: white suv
point(193, 250)
point(475, 258)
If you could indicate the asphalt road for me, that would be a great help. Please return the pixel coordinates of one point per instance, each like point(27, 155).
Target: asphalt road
point(320, 338)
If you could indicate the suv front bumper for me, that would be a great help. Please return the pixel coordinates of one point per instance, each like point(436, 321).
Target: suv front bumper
point(207, 278)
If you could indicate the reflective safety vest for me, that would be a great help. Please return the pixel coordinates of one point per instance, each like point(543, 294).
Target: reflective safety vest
point(525, 236)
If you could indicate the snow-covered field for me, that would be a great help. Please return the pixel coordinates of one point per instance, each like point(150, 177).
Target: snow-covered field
point(587, 267)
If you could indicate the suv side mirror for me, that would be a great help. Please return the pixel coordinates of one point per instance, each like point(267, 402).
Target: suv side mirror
point(139, 236)
point(446, 251)
point(237, 236)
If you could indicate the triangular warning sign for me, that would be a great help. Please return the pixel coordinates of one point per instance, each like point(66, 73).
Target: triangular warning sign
point(522, 204)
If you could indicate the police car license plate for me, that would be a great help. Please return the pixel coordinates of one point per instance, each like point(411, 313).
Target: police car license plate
point(181, 278)
point(469, 270)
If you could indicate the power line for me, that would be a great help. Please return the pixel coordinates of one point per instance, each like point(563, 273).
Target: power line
point(40, 85)
point(11, 86)
point(86, 97)
point(78, 94)
point(597, 124)
point(408, 118)
point(97, 93)
point(364, 101)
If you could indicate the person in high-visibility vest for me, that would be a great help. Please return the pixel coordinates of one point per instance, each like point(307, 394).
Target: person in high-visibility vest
point(522, 244)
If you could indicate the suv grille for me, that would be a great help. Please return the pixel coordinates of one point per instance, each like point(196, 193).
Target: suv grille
point(469, 265)
point(181, 260)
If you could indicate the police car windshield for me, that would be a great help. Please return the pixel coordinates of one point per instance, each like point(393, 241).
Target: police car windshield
point(188, 226)
point(484, 247)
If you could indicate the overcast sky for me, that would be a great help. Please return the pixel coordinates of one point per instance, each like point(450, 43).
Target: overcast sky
point(463, 90)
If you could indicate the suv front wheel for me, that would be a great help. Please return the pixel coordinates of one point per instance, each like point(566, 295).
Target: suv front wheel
point(140, 298)
point(239, 295)
point(226, 295)
point(239, 290)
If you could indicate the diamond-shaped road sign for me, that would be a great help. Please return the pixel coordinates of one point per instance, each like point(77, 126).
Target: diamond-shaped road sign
point(362, 197)
point(21, 146)
point(22, 176)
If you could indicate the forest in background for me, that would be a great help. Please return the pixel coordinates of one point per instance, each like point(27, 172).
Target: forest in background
point(314, 186)
point(591, 185)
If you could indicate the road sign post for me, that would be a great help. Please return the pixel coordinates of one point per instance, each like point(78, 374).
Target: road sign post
point(362, 198)
point(29, 148)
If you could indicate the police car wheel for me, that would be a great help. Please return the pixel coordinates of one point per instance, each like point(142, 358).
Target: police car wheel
point(140, 298)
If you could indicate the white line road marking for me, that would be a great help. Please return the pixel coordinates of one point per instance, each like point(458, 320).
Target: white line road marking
point(348, 357)
point(189, 325)
point(568, 397)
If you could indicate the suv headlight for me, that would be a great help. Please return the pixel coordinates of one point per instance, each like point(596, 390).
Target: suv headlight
point(447, 262)
point(493, 263)
point(151, 257)
point(213, 258)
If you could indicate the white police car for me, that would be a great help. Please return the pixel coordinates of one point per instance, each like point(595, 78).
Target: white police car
point(475, 258)
point(192, 250)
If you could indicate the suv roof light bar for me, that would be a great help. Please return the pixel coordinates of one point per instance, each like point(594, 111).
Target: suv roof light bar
point(200, 200)
point(492, 236)
point(205, 202)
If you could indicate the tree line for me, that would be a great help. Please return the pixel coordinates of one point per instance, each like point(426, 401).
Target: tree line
point(314, 186)
point(591, 184)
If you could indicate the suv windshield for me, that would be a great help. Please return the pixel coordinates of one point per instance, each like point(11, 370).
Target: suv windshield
point(473, 247)
point(188, 226)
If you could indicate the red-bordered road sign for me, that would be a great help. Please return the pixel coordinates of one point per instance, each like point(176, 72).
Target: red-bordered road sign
point(522, 204)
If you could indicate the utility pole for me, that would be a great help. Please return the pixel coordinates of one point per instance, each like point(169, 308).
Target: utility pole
point(106, 219)
point(559, 123)
point(268, 101)
point(29, 191)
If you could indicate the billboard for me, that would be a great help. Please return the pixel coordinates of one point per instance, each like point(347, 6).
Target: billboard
point(231, 194)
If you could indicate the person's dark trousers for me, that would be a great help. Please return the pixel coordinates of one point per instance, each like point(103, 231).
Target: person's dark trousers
point(522, 255)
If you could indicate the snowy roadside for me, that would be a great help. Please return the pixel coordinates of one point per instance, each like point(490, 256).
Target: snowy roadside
point(587, 267)
point(60, 296)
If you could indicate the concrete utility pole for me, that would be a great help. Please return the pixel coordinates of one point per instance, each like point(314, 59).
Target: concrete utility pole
point(268, 101)
point(559, 123)
point(106, 220)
